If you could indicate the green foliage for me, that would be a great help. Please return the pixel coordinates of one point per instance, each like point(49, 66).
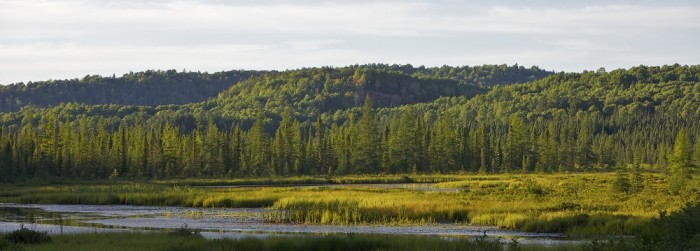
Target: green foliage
point(419, 120)
point(636, 179)
point(680, 163)
point(185, 231)
point(27, 236)
point(677, 231)
point(142, 88)
point(157, 241)
point(622, 183)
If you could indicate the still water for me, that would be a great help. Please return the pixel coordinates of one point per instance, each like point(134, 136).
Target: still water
point(225, 223)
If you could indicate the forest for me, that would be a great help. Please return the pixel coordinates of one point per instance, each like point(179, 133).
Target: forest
point(361, 119)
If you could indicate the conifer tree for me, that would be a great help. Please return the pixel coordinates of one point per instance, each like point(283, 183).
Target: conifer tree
point(516, 144)
point(442, 150)
point(680, 163)
point(170, 153)
point(621, 183)
point(365, 156)
point(6, 166)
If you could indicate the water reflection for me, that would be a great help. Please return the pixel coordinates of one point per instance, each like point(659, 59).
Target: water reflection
point(222, 223)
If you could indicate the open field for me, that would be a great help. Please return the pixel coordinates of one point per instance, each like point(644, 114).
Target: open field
point(578, 204)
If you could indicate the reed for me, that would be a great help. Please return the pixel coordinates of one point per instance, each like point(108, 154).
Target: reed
point(164, 241)
point(569, 203)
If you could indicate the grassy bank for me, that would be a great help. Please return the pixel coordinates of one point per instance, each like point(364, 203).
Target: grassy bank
point(163, 241)
point(582, 204)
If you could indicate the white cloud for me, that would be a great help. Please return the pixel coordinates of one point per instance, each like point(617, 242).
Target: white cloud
point(70, 38)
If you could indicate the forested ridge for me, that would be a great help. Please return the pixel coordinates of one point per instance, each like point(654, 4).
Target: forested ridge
point(150, 88)
point(374, 119)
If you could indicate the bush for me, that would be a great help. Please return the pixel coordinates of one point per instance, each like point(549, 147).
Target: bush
point(4, 244)
point(26, 236)
point(185, 231)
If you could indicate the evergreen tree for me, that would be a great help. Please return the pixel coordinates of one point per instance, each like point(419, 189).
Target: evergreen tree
point(404, 144)
point(442, 150)
point(636, 179)
point(621, 183)
point(365, 157)
point(6, 166)
point(680, 163)
point(516, 144)
point(236, 151)
point(258, 160)
point(212, 151)
point(171, 154)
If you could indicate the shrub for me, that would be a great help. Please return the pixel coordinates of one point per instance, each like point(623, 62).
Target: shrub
point(26, 236)
point(185, 231)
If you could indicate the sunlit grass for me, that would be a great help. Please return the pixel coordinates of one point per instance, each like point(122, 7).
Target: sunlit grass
point(570, 203)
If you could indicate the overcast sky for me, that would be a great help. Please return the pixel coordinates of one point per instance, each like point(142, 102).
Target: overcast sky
point(58, 39)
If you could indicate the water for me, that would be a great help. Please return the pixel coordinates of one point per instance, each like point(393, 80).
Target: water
point(223, 223)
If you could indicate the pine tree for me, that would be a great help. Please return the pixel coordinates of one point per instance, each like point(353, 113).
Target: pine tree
point(170, 144)
point(680, 163)
point(321, 149)
point(584, 141)
point(442, 150)
point(212, 151)
point(258, 146)
point(344, 143)
point(403, 146)
point(516, 144)
point(236, 151)
point(566, 147)
point(102, 146)
point(365, 157)
point(485, 150)
point(6, 166)
point(636, 179)
point(621, 183)
point(530, 158)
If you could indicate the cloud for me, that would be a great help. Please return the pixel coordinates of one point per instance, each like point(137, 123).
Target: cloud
point(70, 38)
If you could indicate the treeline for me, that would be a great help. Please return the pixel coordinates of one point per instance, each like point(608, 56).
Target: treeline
point(149, 88)
point(407, 143)
point(481, 75)
point(566, 122)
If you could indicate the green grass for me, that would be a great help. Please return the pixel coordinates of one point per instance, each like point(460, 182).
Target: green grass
point(579, 204)
point(162, 241)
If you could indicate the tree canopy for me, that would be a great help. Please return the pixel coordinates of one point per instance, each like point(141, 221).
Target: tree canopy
point(358, 119)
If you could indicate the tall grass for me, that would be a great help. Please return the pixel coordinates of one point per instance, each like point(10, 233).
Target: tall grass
point(570, 203)
point(159, 241)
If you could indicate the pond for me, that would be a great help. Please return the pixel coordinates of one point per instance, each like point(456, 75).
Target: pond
point(226, 223)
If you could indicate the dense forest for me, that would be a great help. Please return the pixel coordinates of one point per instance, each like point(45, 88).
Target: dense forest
point(150, 88)
point(363, 119)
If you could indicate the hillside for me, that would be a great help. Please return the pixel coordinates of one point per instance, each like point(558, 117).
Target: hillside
point(164, 95)
point(318, 121)
point(149, 88)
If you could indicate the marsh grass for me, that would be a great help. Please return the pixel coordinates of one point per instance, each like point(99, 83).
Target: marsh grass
point(160, 241)
point(582, 204)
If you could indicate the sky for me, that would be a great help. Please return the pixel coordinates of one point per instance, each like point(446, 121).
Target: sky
point(65, 39)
